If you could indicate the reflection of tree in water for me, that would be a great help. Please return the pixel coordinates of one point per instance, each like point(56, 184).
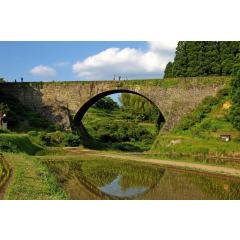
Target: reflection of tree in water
point(134, 176)
point(103, 172)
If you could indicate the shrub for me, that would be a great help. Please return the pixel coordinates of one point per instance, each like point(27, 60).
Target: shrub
point(209, 125)
point(72, 140)
point(121, 132)
point(17, 143)
point(60, 139)
point(52, 139)
point(237, 139)
point(33, 133)
point(197, 115)
point(4, 130)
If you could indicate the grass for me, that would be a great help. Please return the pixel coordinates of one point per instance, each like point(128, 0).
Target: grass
point(166, 83)
point(12, 142)
point(1, 168)
point(31, 179)
point(194, 145)
point(4, 171)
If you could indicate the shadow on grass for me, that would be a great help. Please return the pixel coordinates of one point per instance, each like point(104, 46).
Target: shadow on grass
point(96, 145)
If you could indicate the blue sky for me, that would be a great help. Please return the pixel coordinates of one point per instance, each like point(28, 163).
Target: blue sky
point(47, 61)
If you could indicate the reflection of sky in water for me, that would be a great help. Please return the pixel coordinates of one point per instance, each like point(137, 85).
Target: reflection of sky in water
point(114, 188)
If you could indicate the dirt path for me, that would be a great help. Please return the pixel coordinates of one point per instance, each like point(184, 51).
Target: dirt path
point(171, 163)
point(6, 177)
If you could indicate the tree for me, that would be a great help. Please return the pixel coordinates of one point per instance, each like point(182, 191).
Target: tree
point(168, 73)
point(139, 106)
point(106, 103)
point(235, 95)
point(180, 60)
point(204, 58)
point(4, 108)
point(2, 80)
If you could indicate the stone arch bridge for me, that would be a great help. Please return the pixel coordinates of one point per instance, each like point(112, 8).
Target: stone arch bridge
point(65, 103)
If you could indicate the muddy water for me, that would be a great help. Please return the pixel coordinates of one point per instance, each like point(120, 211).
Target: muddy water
point(106, 179)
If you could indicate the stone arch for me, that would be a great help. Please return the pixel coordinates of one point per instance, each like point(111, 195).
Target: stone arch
point(77, 121)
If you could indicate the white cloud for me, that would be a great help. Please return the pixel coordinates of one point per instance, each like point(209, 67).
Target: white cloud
point(161, 46)
point(129, 62)
point(42, 70)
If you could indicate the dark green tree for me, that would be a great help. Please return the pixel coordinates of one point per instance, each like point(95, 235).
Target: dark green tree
point(168, 73)
point(138, 106)
point(235, 95)
point(180, 61)
point(106, 103)
point(203, 58)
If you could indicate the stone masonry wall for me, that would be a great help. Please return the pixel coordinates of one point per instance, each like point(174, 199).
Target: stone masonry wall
point(57, 101)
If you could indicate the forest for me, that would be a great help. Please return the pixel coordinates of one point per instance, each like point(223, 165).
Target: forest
point(204, 58)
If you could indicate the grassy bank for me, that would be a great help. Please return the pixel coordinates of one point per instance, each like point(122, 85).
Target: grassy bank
point(11, 142)
point(31, 179)
point(188, 145)
point(4, 171)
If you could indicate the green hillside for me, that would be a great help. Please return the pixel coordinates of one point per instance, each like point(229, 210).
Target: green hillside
point(199, 132)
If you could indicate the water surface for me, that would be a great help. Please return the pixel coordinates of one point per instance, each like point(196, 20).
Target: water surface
point(114, 179)
point(114, 188)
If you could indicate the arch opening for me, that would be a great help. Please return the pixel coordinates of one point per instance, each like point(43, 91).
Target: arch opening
point(79, 126)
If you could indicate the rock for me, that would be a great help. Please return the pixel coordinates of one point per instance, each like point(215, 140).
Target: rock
point(174, 142)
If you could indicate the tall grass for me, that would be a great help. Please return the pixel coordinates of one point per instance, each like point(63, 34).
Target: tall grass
point(4, 171)
point(31, 179)
point(17, 143)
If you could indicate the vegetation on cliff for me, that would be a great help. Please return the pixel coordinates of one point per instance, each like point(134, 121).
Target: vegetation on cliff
point(198, 133)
